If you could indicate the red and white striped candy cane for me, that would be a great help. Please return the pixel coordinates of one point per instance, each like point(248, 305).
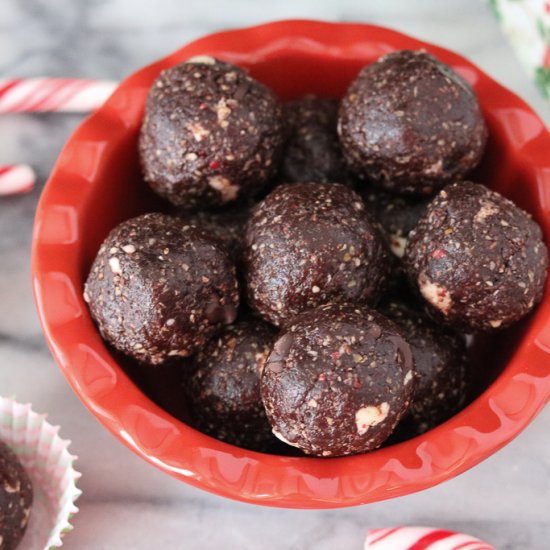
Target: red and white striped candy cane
point(422, 538)
point(67, 95)
point(16, 179)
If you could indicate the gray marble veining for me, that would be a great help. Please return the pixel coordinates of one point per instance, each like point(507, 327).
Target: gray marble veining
point(127, 503)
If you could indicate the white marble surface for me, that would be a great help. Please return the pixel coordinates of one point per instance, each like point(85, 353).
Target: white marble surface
point(127, 504)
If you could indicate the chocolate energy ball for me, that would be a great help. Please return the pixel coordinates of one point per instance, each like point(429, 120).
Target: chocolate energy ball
point(312, 150)
point(338, 380)
point(16, 497)
point(410, 124)
point(440, 364)
point(160, 288)
point(397, 214)
point(211, 134)
point(310, 243)
point(477, 258)
point(224, 390)
point(227, 225)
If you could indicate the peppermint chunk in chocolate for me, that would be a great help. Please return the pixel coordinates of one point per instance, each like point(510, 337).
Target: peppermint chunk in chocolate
point(312, 151)
point(224, 389)
point(16, 496)
point(338, 380)
point(311, 243)
point(440, 363)
point(161, 288)
point(211, 134)
point(410, 124)
point(477, 258)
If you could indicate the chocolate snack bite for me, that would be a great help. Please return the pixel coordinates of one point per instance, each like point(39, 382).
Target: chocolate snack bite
point(16, 496)
point(477, 258)
point(224, 389)
point(312, 151)
point(338, 380)
point(410, 124)
point(160, 288)
point(211, 134)
point(311, 243)
point(440, 369)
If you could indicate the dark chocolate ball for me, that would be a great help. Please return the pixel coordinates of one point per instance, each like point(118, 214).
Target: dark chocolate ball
point(160, 288)
point(397, 215)
point(224, 389)
point(312, 151)
point(440, 364)
point(211, 134)
point(410, 124)
point(16, 496)
point(310, 243)
point(477, 258)
point(338, 380)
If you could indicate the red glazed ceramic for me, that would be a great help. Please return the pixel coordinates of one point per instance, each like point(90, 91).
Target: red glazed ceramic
point(96, 184)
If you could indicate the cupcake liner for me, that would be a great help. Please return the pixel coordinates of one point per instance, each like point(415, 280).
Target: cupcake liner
point(49, 465)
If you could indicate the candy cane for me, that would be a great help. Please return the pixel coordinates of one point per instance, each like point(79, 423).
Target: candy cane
point(16, 179)
point(68, 95)
point(422, 538)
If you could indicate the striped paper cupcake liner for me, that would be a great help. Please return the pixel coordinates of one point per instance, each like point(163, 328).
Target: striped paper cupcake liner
point(49, 464)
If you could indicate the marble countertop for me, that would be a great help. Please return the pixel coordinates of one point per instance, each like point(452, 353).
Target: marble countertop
point(126, 503)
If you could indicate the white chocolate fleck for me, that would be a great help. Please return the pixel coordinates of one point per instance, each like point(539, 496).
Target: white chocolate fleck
point(434, 169)
point(436, 294)
point(408, 377)
point(11, 488)
point(495, 323)
point(198, 131)
point(201, 60)
point(315, 289)
point(170, 322)
point(488, 209)
point(369, 416)
point(312, 403)
point(114, 264)
point(397, 245)
point(179, 352)
point(227, 189)
point(282, 438)
point(129, 248)
point(222, 110)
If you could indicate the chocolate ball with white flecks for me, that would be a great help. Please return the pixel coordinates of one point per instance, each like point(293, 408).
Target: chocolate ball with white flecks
point(338, 380)
point(160, 288)
point(312, 151)
point(397, 214)
point(16, 496)
point(307, 244)
point(477, 258)
point(410, 124)
point(224, 389)
point(441, 369)
point(211, 134)
point(226, 224)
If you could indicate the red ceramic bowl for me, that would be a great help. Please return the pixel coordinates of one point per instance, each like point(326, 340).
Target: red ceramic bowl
point(96, 184)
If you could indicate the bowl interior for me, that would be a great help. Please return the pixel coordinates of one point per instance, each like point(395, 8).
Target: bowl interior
point(97, 184)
